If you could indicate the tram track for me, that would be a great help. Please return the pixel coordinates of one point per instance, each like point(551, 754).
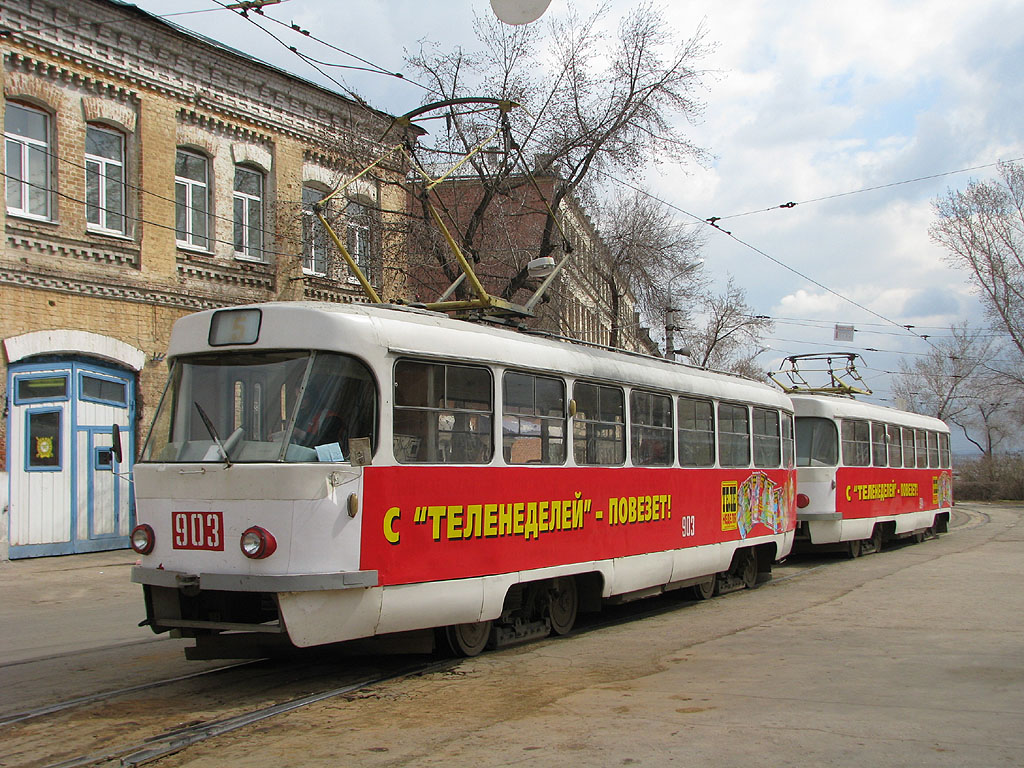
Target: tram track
point(148, 750)
point(93, 698)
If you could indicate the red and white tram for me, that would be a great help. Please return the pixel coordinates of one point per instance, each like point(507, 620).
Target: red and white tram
point(867, 473)
point(327, 472)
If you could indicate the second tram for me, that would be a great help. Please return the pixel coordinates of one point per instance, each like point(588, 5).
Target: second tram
point(318, 473)
point(868, 473)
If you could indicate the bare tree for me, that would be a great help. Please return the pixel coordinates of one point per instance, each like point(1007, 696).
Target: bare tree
point(936, 383)
point(650, 256)
point(982, 230)
point(955, 382)
point(726, 334)
point(593, 106)
point(989, 414)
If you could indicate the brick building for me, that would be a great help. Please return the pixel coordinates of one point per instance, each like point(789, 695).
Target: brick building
point(149, 173)
point(582, 304)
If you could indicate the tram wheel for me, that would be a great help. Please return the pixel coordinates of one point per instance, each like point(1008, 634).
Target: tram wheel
point(563, 604)
point(855, 548)
point(876, 539)
point(705, 590)
point(468, 639)
point(746, 569)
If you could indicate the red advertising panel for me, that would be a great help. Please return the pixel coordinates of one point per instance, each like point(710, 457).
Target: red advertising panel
point(876, 491)
point(432, 523)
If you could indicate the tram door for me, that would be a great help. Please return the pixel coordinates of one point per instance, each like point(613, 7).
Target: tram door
point(68, 494)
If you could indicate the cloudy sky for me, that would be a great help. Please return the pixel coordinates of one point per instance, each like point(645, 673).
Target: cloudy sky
point(842, 107)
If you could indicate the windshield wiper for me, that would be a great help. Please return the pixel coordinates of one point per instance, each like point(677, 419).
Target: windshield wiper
point(213, 433)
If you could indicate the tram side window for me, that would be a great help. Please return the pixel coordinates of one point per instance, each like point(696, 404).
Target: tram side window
point(767, 446)
point(442, 413)
point(895, 446)
point(856, 443)
point(650, 430)
point(921, 441)
point(817, 442)
point(787, 441)
point(944, 460)
point(908, 448)
point(598, 428)
point(533, 419)
point(933, 449)
point(696, 433)
point(733, 435)
point(879, 451)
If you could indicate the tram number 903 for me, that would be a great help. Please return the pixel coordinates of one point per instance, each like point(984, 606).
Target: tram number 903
point(198, 530)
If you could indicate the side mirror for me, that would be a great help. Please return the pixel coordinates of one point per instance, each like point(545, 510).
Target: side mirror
point(115, 443)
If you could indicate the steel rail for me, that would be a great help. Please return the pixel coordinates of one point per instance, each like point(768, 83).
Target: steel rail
point(103, 696)
point(140, 753)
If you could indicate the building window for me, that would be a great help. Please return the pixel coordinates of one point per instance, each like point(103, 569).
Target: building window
point(248, 203)
point(43, 436)
point(192, 199)
point(27, 149)
point(357, 218)
point(314, 238)
point(104, 180)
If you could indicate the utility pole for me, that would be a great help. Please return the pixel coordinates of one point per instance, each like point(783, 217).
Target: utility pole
point(670, 328)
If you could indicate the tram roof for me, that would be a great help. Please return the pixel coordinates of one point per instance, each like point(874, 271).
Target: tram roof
point(370, 330)
point(837, 406)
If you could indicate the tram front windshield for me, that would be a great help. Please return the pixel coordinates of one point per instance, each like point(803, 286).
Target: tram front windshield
point(817, 442)
point(295, 406)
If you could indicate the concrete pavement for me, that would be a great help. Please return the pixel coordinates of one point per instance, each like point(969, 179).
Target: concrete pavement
point(55, 605)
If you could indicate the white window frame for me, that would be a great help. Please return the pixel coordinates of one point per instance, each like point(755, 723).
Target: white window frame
point(314, 238)
point(358, 237)
point(193, 189)
point(101, 166)
point(24, 146)
point(251, 251)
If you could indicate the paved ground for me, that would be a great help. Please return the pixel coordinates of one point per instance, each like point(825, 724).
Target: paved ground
point(914, 657)
point(53, 605)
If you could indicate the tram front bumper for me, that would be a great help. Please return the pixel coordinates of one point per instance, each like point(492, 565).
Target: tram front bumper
point(254, 582)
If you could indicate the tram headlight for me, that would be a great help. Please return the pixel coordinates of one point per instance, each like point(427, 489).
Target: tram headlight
point(257, 543)
point(143, 539)
point(802, 500)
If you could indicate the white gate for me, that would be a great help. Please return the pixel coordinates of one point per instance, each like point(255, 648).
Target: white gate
point(67, 493)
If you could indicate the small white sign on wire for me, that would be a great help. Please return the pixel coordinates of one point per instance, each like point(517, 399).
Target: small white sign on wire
point(843, 332)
